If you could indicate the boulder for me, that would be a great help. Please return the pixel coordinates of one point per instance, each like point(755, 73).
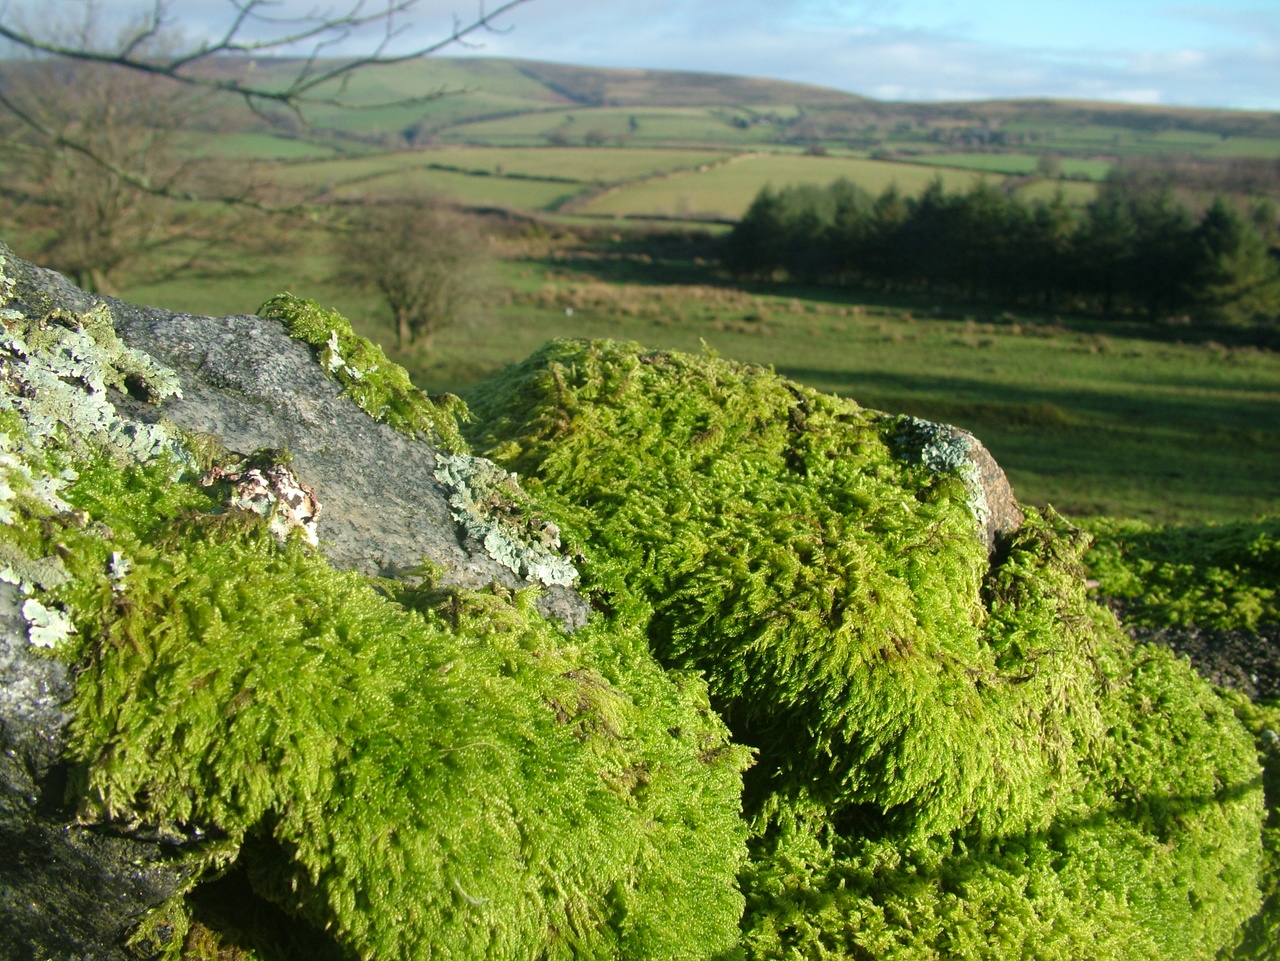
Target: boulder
point(78, 890)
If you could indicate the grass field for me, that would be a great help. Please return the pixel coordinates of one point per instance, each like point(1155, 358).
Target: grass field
point(669, 183)
point(726, 191)
point(1017, 164)
point(587, 164)
point(1074, 191)
point(528, 178)
point(652, 125)
point(1093, 418)
point(254, 146)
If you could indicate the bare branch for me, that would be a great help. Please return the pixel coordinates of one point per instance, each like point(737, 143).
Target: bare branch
point(320, 32)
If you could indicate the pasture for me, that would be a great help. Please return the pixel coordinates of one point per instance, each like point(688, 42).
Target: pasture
point(642, 182)
point(727, 190)
point(1013, 164)
point(1092, 417)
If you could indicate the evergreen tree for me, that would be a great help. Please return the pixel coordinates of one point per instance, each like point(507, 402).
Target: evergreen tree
point(1047, 256)
point(755, 247)
point(1235, 277)
point(1104, 247)
point(1162, 254)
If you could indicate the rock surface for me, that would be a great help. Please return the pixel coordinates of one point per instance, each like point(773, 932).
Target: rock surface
point(943, 447)
point(245, 381)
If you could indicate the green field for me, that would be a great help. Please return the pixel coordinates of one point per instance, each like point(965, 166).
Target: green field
point(528, 178)
point(1073, 191)
point(254, 146)
point(727, 190)
point(1093, 418)
point(652, 126)
point(590, 165)
point(507, 103)
point(1015, 164)
point(673, 183)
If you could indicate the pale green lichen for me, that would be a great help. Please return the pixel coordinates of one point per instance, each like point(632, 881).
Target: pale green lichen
point(46, 626)
point(379, 387)
point(945, 449)
point(55, 372)
point(7, 286)
point(489, 505)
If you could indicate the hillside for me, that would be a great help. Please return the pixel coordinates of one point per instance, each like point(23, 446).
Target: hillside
point(557, 139)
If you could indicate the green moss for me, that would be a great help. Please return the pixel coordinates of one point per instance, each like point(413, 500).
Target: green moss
point(420, 775)
point(380, 388)
point(1260, 937)
point(505, 791)
point(957, 760)
point(1220, 576)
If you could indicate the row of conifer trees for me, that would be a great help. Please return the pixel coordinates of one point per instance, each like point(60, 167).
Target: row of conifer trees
point(1131, 250)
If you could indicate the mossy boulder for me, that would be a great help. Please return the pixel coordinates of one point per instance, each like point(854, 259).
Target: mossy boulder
point(959, 754)
point(383, 766)
point(412, 742)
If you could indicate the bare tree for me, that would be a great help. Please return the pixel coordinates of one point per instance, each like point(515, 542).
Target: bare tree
point(75, 214)
point(89, 128)
point(427, 260)
point(227, 63)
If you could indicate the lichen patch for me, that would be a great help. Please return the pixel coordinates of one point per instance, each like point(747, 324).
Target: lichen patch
point(274, 492)
point(46, 626)
point(489, 505)
point(945, 449)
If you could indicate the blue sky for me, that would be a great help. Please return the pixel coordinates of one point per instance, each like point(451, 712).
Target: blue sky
point(1222, 54)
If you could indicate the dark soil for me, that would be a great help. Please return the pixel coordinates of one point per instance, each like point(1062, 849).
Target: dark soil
point(1246, 661)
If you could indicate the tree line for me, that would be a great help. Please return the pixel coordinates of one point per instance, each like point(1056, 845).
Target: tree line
point(1133, 250)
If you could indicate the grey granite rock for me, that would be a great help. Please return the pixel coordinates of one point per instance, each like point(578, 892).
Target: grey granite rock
point(246, 381)
point(942, 448)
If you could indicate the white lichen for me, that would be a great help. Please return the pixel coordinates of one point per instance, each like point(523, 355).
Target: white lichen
point(7, 284)
point(55, 372)
point(333, 361)
point(117, 569)
point(47, 627)
point(489, 505)
point(944, 449)
point(276, 493)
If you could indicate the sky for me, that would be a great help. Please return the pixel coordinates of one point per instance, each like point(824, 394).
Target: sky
point(1224, 53)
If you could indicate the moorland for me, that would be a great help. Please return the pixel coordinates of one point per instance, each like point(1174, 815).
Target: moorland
point(764, 524)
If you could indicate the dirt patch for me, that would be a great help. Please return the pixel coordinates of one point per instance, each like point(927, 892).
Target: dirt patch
point(1246, 661)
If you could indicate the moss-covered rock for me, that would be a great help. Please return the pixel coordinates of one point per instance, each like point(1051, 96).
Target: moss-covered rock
point(960, 755)
point(1221, 576)
point(1211, 593)
point(403, 768)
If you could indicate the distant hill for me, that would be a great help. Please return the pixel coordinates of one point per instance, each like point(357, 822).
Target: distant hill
point(609, 87)
point(506, 103)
